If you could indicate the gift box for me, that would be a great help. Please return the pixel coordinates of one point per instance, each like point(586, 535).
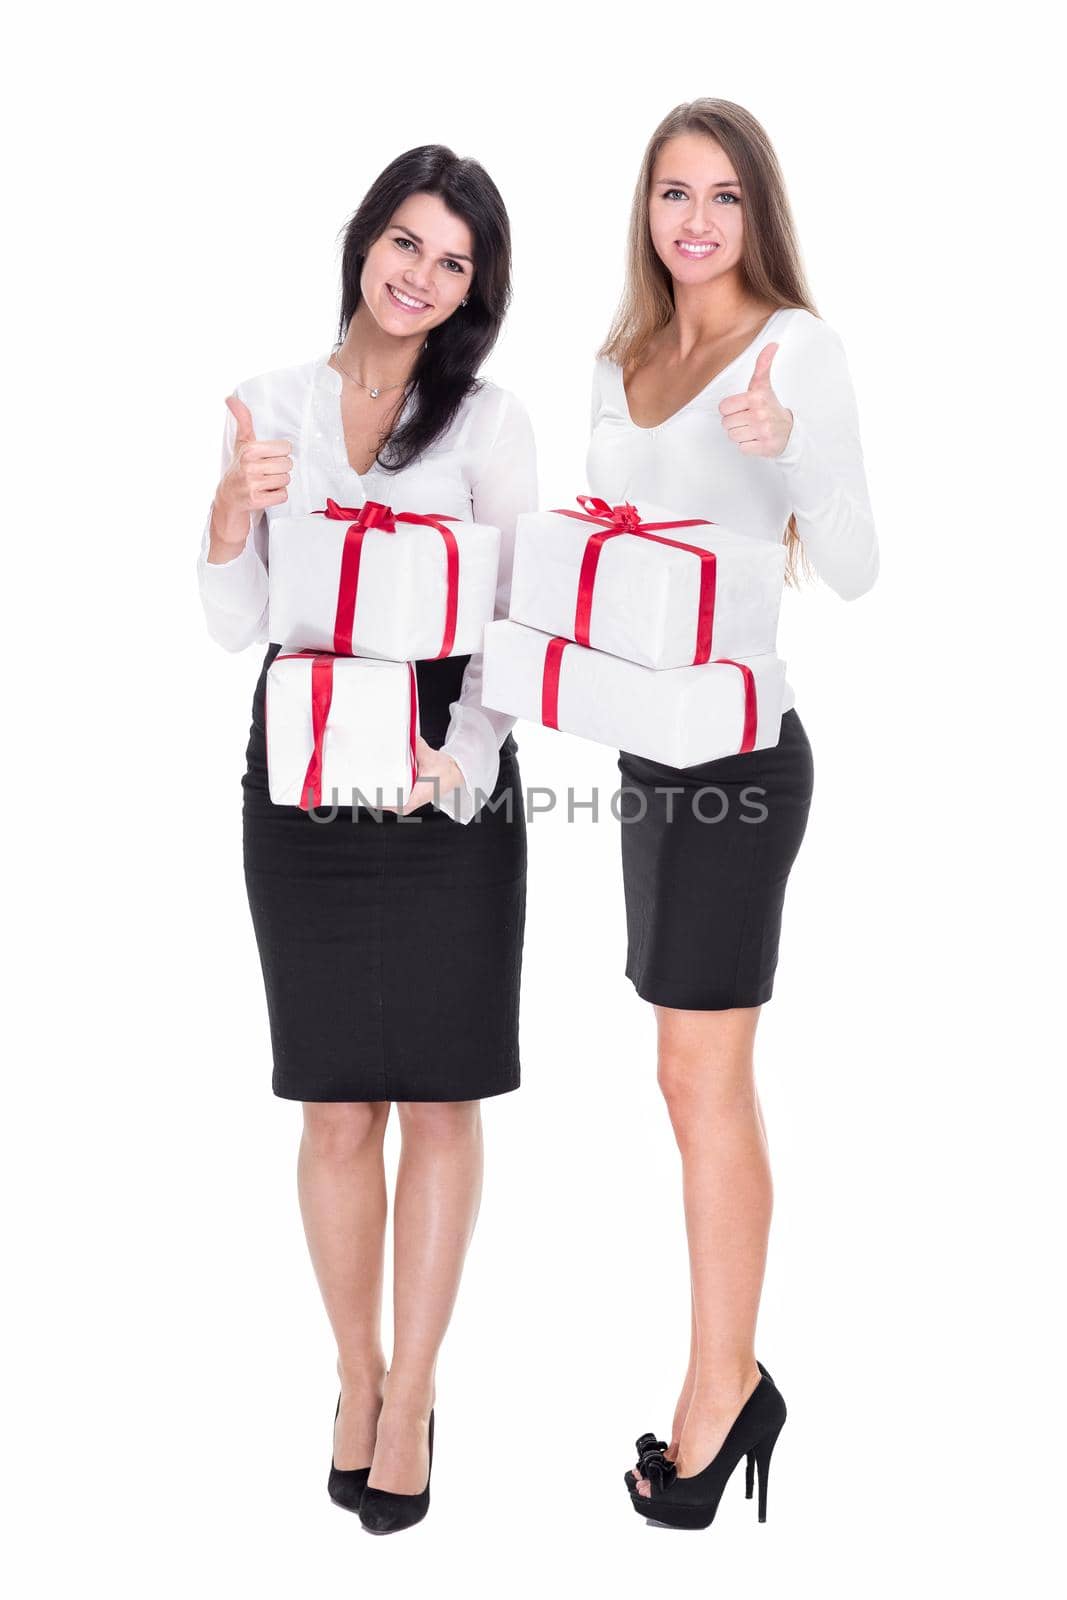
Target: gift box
point(338, 727)
point(678, 715)
point(646, 584)
point(371, 581)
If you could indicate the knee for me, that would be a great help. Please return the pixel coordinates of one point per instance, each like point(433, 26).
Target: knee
point(678, 1074)
point(340, 1132)
point(440, 1122)
point(704, 1086)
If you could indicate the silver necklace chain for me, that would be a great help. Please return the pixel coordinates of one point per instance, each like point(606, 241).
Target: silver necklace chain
point(379, 388)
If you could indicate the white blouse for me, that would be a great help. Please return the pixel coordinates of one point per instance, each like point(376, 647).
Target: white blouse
point(482, 469)
point(690, 464)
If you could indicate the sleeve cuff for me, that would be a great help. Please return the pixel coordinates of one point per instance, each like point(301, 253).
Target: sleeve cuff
point(228, 584)
point(234, 594)
point(478, 759)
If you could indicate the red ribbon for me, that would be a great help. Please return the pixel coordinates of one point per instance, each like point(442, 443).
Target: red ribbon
point(748, 735)
point(321, 696)
point(376, 515)
point(627, 519)
point(550, 690)
point(550, 681)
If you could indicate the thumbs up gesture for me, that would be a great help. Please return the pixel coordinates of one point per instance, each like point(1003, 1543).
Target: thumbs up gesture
point(256, 477)
point(756, 421)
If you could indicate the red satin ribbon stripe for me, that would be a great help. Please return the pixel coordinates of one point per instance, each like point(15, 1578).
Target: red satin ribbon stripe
point(321, 697)
point(626, 518)
point(550, 681)
point(376, 515)
point(748, 735)
point(550, 689)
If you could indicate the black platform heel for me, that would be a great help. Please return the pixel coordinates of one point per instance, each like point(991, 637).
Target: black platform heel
point(346, 1487)
point(381, 1511)
point(648, 1442)
point(691, 1502)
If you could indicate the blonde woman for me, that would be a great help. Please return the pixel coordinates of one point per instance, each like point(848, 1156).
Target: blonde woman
point(721, 393)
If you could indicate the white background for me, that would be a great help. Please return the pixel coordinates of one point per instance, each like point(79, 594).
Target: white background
point(180, 184)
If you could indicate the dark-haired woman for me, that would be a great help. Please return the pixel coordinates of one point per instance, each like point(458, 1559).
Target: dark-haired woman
point(390, 942)
point(721, 393)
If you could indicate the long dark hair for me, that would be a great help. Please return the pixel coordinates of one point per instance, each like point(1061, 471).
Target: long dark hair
point(446, 370)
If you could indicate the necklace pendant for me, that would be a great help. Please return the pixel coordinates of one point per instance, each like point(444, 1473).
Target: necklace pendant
point(375, 393)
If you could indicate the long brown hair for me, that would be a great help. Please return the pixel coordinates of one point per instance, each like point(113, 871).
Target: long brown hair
point(446, 370)
point(770, 265)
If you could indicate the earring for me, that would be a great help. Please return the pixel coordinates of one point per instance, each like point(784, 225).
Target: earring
point(463, 302)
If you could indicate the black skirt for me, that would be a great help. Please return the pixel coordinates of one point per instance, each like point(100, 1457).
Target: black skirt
point(705, 870)
point(391, 947)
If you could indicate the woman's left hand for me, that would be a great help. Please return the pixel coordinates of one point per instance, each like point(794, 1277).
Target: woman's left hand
point(756, 421)
point(432, 764)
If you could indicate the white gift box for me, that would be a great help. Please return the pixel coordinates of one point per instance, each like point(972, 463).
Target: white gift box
point(645, 601)
point(338, 727)
point(679, 716)
point(378, 584)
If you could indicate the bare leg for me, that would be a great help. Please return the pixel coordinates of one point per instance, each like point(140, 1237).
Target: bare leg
point(706, 1075)
point(438, 1190)
point(341, 1183)
point(681, 1410)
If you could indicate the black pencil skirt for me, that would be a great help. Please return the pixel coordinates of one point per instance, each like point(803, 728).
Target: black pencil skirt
point(705, 870)
point(391, 947)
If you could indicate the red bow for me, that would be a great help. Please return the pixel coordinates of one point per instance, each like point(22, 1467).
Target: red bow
point(373, 514)
point(627, 519)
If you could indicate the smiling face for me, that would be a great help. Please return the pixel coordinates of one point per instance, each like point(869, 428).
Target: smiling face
point(694, 209)
point(417, 271)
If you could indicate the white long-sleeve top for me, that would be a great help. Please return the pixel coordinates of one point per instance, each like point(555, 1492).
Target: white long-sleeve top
point(482, 469)
point(689, 462)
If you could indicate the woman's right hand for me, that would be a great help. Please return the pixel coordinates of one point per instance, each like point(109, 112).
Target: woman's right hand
point(256, 477)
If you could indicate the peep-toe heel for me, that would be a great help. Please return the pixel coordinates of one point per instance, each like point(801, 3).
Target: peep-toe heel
point(691, 1502)
point(649, 1442)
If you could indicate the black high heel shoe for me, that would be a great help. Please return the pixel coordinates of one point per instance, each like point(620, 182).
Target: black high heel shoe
point(649, 1442)
point(381, 1511)
point(691, 1502)
point(346, 1486)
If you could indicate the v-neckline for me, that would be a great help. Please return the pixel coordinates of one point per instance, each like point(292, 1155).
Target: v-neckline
point(653, 427)
point(336, 383)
